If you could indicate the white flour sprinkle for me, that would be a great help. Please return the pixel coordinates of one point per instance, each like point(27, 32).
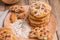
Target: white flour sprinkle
point(20, 31)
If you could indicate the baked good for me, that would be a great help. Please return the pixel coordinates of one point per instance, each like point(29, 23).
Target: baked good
point(44, 26)
point(40, 33)
point(44, 32)
point(18, 12)
point(39, 22)
point(6, 34)
point(17, 8)
point(10, 1)
point(39, 19)
point(40, 9)
point(39, 14)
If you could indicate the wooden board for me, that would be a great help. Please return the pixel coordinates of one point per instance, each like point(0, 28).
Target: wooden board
point(27, 2)
point(55, 37)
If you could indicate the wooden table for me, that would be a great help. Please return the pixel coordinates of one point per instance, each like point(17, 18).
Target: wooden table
point(55, 9)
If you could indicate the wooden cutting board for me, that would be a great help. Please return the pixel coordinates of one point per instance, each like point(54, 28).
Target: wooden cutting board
point(26, 2)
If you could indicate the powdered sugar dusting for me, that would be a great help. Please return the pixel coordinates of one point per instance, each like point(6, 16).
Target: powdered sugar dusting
point(20, 31)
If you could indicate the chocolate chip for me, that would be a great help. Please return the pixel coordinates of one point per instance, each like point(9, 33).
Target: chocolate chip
point(42, 8)
point(35, 12)
point(44, 33)
point(40, 35)
point(31, 32)
point(47, 31)
point(21, 7)
point(2, 37)
point(21, 11)
point(41, 30)
point(18, 17)
point(15, 7)
point(8, 36)
point(40, 27)
point(4, 32)
point(45, 10)
point(35, 29)
point(34, 33)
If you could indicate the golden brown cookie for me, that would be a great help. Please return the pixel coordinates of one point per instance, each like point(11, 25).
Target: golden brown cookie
point(40, 33)
point(17, 12)
point(6, 34)
point(10, 1)
point(17, 9)
point(39, 14)
point(46, 32)
point(40, 9)
point(38, 22)
point(41, 19)
point(37, 25)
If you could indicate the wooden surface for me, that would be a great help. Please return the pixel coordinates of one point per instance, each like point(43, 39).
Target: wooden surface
point(55, 9)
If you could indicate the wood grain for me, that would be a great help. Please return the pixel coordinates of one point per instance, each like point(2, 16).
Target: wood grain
point(56, 11)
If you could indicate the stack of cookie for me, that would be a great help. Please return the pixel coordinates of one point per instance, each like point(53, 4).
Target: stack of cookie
point(39, 14)
point(39, 19)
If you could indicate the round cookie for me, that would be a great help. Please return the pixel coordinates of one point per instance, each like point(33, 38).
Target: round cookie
point(40, 9)
point(17, 12)
point(10, 1)
point(35, 25)
point(6, 34)
point(41, 19)
point(40, 33)
point(17, 9)
point(40, 23)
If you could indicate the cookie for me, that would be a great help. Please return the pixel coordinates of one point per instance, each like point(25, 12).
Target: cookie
point(40, 33)
point(39, 23)
point(6, 34)
point(40, 9)
point(41, 19)
point(10, 2)
point(17, 12)
point(17, 9)
point(35, 25)
point(39, 14)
